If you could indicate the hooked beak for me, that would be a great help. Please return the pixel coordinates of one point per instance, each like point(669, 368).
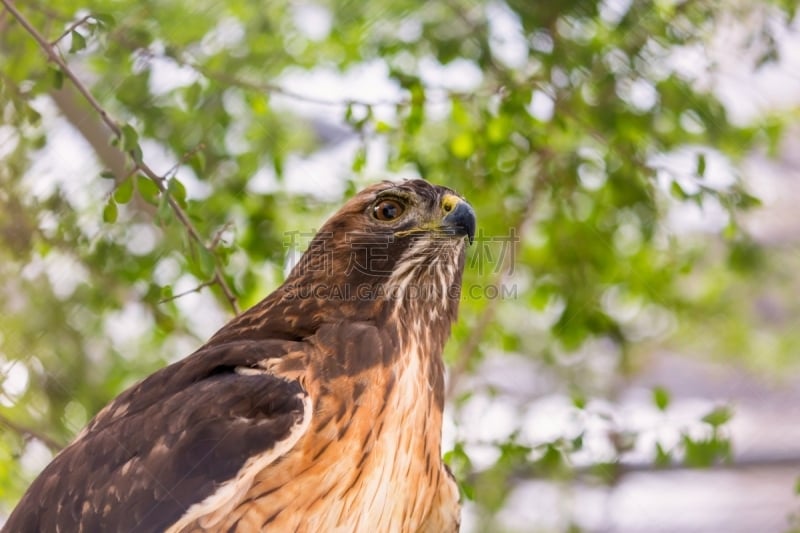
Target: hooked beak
point(460, 217)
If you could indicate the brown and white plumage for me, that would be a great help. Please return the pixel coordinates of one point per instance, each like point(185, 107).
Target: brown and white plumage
point(319, 409)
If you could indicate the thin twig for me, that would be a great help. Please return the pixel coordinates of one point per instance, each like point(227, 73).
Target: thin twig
point(29, 433)
point(184, 158)
point(183, 218)
point(273, 88)
point(190, 291)
point(218, 235)
point(70, 29)
point(180, 214)
point(264, 86)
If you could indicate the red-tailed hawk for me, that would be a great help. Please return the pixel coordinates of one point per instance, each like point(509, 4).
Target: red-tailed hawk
point(319, 409)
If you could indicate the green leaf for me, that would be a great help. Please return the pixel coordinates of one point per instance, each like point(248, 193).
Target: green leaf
point(718, 416)
point(661, 398)
point(130, 139)
point(462, 145)
point(105, 19)
point(348, 113)
point(206, 261)
point(458, 459)
point(677, 191)
point(199, 161)
point(467, 490)
point(541, 297)
point(56, 78)
point(108, 175)
point(663, 457)
point(147, 189)
point(701, 164)
point(259, 103)
point(731, 230)
point(383, 127)
point(110, 211)
point(164, 212)
point(579, 399)
point(124, 192)
point(498, 129)
point(192, 95)
point(78, 42)
point(34, 117)
point(136, 154)
point(177, 191)
point(744, 200)
point(164, 322)
point(360, 160)
point(166, 292)
point(702, 453)
point(459, 114)
point(552, 463)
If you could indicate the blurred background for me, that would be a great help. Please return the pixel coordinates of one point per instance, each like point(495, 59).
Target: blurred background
point(627, 357)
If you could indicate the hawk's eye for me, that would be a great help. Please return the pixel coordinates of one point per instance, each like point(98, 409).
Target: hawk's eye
point(388, 210)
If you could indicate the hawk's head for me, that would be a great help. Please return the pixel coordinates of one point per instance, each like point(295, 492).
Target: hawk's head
point(393, 250)
point(392, 244)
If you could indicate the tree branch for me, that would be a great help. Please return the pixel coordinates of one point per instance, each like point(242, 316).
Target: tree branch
point(180, 214)
point(29, 433)
point(55, 58)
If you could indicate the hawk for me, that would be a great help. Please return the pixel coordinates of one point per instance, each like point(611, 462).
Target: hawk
point(319, 409)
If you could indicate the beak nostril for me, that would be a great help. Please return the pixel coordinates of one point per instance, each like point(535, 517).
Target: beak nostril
point(459, 217)
point(449, 203)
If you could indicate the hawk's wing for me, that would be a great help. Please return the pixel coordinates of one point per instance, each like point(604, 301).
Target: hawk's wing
point(169, 443)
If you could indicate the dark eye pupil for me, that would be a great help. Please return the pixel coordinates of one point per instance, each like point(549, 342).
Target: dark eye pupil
point(388, 210)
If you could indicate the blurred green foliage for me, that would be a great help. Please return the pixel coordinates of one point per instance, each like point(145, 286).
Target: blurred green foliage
point(557, 144)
